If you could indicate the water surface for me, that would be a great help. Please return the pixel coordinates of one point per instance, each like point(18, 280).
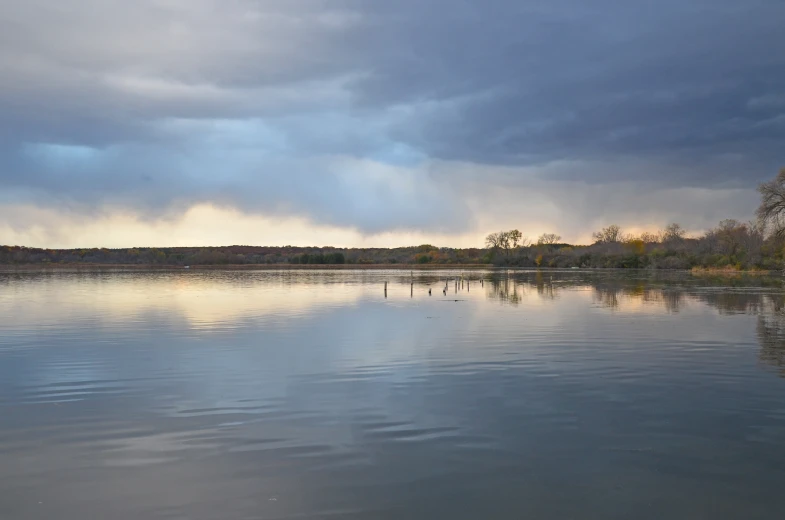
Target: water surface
point(312, 394)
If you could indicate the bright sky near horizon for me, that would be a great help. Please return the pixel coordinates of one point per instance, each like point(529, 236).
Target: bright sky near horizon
point(365, 123)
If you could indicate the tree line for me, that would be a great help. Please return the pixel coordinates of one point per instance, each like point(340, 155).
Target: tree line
point(732, 244)
point(243, 255)
point(759, 244)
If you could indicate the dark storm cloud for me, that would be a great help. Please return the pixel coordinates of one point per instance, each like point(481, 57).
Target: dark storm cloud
point(671, 80)
point(337, 111)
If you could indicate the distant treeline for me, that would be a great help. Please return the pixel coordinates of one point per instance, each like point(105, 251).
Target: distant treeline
point(243, 255)
point(732, 244)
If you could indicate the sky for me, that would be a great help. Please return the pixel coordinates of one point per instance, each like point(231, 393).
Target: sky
point(369, 123)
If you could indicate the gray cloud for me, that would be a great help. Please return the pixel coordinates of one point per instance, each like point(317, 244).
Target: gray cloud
point(347, 112)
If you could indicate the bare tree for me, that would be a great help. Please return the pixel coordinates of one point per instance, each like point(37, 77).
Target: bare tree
point(515, 238)
point(729, 234)
point(495, 240)
point(608, 235)
point(737, 240)
point(650, 238)
point(673, 233)
point(548, 239)
point(772, 205)
point(752, 241)
point(506, 241)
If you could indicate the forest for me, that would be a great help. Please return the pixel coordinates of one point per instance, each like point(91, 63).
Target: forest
point(244, 255)
point(731, 245)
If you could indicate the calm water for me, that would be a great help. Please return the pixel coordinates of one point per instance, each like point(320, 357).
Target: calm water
point(261, 395)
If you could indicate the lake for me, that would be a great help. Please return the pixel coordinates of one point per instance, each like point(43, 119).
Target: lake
point(315, 395)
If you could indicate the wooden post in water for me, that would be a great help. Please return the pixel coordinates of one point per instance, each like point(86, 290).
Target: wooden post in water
point(385, 289)
point(411, 294)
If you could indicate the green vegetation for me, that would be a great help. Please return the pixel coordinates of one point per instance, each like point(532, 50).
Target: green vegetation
point(731, 246)
point(240, 255)
point(334, 258)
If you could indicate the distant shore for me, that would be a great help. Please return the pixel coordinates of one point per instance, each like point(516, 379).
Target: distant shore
point(85, 267)
point(240, 267)
point(728, 271)
point(80, 266)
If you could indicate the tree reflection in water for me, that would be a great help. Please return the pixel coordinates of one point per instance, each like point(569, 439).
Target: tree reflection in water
point(771, 333)
point(760, 297)
point(506, 289)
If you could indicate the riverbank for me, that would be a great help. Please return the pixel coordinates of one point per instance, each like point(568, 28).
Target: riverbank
point(80, 266)
point(239, 267)
point(729, 271)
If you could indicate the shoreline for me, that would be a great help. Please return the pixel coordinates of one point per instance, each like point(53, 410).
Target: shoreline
point(245, 267)
point(76, 267)
point(730, 271)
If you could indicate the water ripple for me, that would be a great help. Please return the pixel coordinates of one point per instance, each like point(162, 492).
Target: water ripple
point(275, 394)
